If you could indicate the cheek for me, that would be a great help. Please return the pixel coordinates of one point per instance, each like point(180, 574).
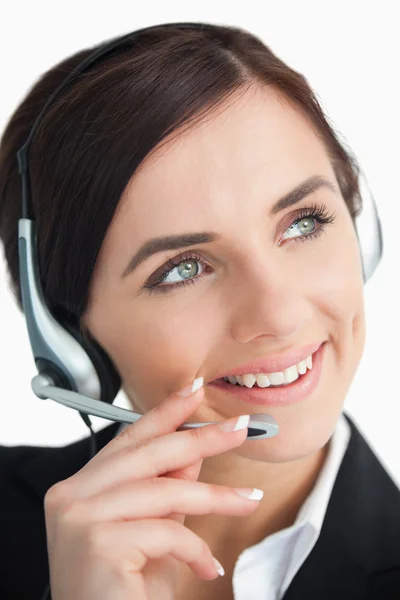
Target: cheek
point(340, 295)
point(159, 351)
point(338, 284)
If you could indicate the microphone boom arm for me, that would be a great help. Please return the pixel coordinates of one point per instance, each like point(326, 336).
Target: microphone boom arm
point(260, 426)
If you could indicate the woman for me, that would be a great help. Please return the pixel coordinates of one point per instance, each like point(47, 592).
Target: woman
point(194, 155)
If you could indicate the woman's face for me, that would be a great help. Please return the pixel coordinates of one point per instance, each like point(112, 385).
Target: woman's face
point(260, 287)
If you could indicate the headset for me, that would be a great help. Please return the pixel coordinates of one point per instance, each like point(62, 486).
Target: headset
point(78, 373)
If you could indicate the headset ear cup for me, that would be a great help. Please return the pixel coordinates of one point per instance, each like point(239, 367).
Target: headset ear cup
point(110, 379)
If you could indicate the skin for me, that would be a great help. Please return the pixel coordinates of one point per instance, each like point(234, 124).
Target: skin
point(253, 296)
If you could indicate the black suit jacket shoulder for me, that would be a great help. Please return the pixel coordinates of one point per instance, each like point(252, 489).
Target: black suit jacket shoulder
point(356, 557)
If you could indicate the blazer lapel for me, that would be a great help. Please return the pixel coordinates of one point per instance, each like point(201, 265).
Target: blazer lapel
point(50, 465)
point(357, 555)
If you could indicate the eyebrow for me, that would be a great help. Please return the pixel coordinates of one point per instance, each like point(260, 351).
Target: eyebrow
point(174, 242)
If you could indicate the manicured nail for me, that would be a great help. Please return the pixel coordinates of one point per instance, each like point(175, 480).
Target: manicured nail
point(192, 388)
point(219, 567)
point(250, 493)
point(235, 424)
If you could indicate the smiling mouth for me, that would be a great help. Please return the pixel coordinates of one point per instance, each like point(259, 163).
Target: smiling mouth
point(273, 380)
point(280, 391)
point(255, 385)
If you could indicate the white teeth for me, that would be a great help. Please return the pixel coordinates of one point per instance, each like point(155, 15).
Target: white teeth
point(301, 367)
point(278, 378)
point(249, 380)
point(263, 380)
point(291, 374)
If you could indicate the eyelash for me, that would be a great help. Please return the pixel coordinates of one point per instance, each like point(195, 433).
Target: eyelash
point(318, 212)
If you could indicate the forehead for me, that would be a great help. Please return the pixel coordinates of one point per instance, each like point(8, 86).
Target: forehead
point(254, 143)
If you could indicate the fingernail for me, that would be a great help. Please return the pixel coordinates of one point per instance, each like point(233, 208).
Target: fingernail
point(219, 567)
point(192, 388)
point(235, 424)
point(250, 493)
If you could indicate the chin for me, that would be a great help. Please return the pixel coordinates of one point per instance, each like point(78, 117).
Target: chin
point(304, 430)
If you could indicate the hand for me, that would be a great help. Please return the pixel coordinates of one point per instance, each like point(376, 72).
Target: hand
point(115, 529)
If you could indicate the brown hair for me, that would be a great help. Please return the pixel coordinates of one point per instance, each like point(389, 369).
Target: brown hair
point(100, 129)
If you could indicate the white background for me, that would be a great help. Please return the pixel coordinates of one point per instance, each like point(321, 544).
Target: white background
point(349, 52)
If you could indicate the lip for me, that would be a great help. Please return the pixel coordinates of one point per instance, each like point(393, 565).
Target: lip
point(273, 363)
point(278, 396)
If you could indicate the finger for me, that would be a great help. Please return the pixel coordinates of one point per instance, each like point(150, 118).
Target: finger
point(189, 473)
point(158, 498)
point(132, 546)
point(161, 419)
point(156, 457)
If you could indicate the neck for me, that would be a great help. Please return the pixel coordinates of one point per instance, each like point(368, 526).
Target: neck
point(285, 485)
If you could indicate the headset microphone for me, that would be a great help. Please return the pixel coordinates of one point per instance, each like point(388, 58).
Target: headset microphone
point(260, 426)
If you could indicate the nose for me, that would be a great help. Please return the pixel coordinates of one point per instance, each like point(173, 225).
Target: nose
point(271, 301)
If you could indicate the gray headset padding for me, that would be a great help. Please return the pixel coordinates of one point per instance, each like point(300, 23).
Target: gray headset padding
point(105, 368)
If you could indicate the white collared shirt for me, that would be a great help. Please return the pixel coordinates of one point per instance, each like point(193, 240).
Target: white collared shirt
point(265, 570)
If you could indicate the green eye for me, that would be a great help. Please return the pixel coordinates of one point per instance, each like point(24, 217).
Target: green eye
point(305, 226)
point(190, 269)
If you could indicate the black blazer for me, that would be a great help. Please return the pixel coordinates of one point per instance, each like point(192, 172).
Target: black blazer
point(356, 557)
